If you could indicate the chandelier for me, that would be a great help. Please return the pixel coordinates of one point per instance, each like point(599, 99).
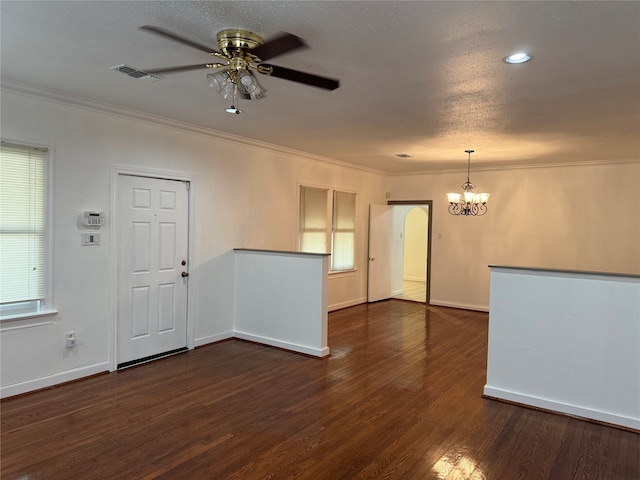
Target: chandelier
point(467, 202)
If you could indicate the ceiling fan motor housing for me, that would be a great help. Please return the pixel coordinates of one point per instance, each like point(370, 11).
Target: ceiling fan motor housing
point(232, 40)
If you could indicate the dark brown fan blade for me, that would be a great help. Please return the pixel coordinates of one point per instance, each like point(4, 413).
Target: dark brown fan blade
point(280, 45)
point(300, 77)
point(176, 38)
point(183, 68)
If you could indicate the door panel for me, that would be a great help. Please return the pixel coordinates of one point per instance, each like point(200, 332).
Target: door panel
point(380, 232)
point(152, 244)
point(166, 314)
point(139, 312)
point(168, 236)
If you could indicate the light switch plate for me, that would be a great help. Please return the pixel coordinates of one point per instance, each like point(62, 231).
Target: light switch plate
point(90, 238)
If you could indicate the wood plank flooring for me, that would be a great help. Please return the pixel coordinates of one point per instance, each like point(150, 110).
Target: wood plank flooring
point(399, 398)
point(413, 290)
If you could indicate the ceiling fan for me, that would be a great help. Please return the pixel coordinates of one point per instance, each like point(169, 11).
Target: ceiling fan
point(244, 53)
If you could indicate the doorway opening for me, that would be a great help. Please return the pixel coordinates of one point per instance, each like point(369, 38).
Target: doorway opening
point(412, 250)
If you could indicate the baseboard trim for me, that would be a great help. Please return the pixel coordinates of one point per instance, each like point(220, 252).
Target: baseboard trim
point(57, 379)
point(350, 303)
point(53, 380)
point(314, 352)
point(199, 342)
point(462, 306)
point(415, 279)
point(553, 406)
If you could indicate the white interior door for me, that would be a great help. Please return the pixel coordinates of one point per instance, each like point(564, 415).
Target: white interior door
point(380, 252)
point(152, 256)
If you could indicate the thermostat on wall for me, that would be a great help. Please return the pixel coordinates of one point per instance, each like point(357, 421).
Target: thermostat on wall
point(92, 219)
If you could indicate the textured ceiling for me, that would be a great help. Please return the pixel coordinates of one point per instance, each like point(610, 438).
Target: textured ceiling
point(421, 78)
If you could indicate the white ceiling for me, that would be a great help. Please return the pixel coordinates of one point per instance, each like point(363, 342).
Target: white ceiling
point(422, 78)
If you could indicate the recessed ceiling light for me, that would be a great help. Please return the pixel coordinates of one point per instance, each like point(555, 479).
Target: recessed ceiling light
point(519, 57)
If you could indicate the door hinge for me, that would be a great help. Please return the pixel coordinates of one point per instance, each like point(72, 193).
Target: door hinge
point(187, 184)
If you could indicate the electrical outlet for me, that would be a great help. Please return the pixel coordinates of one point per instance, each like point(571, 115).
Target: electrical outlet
point(70, 338)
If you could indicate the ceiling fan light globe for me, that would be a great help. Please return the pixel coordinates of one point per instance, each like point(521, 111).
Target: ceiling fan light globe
point(218, 81)
point(228, 91)
point(247, 79)
point(257, 93)
point(246, 82)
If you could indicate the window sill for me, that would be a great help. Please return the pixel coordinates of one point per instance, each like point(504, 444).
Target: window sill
point(26, 316)
point(343, 273)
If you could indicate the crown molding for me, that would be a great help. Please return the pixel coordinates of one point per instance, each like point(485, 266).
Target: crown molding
point(83, 102)
point(527, 166)
point(87, 103)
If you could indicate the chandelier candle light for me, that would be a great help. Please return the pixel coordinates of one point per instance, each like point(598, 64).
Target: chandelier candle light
point(467, 202)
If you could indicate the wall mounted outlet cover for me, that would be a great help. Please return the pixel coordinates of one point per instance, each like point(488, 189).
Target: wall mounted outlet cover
point(70, 339)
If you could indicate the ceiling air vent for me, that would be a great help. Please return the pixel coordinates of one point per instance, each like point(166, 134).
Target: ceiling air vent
point(135, 73)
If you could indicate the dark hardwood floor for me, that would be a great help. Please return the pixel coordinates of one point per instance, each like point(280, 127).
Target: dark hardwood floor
point(399, 398)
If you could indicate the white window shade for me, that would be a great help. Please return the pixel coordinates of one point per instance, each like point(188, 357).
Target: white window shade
point(313, 220)
point(22, 223)
point(344, 231)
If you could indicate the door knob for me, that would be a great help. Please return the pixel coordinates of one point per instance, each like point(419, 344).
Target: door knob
point(371, 259)
point(185, 274)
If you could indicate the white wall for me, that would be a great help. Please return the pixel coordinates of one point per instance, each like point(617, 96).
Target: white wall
point(566, 341)
point(566, 217)
point(244, 196)
point(281, 300)
point(415, 245)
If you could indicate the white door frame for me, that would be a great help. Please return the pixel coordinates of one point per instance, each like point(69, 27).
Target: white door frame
point(112, 222)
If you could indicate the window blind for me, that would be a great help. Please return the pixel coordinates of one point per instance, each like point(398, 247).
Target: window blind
point(313, 220)
point(22, 223)
point(344, 231)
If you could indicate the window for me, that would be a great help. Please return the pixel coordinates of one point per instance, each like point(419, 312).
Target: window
point(321, 208)
point(343, 240)
point(313, 219)
point(22, 229)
